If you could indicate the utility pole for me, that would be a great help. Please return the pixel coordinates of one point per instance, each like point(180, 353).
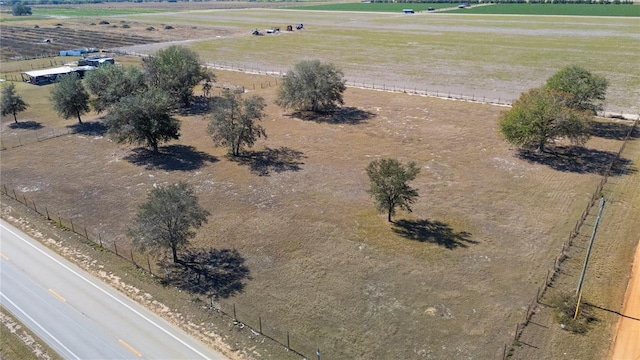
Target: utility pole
point(586, 259)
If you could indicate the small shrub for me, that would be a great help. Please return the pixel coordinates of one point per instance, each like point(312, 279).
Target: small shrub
point(114, 26)
point(92, 24)
point(564, 309)
point(150, 28)
point(58, 24)
point(103, 22)
point(36, 27)
point(168, 27)
point(126, 26)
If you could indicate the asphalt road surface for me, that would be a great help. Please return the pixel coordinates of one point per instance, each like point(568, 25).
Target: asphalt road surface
point(78, 315)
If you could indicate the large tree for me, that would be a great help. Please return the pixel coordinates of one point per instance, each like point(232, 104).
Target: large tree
point(175, 70)
point(312, 86)
point(542, 115)
point(143, 119)
point(20, 9)
point(110, 83)
point(69, 97)
point(389, 186)
point(585, 90)
point(234, 121)
point(167, 219)
point(12, 103)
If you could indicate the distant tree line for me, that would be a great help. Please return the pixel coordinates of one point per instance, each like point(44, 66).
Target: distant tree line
point(56, 2)
point(625, 2)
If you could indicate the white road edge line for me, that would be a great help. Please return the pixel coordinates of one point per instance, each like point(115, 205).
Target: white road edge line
point(40, 326)
point(106, 293)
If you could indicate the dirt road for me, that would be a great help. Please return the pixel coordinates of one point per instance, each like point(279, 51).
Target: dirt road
point(627, 341)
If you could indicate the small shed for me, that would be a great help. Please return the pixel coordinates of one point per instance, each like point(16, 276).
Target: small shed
point(96, 61)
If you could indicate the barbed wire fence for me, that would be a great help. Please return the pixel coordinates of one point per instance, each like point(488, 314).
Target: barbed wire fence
point(260, 327)
point(22, 139)
point(553, 273)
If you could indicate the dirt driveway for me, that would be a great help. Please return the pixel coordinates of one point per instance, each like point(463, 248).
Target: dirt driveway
point(627, 341)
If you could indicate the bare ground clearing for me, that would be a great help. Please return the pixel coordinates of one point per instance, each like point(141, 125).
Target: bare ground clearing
point(324, 265)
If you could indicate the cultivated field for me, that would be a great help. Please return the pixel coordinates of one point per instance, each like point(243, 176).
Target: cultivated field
point(449, 280)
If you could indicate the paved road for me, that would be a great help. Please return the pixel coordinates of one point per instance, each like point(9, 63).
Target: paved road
point(78, 315)
point(627, 341)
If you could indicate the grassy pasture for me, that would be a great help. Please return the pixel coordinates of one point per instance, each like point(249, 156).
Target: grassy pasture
point(556, 9)
point(374, 7)
point(324, 264)
point(511, 9)
point(445, 283)
point(497, 56)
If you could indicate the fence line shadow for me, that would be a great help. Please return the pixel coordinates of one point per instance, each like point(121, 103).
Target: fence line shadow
point(433, 232)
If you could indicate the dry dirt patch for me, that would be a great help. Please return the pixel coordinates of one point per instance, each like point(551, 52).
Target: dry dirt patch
point(324, 265)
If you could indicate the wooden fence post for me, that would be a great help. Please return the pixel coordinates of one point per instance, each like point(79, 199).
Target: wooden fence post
point(35, 207)
point(100, 239)
point(132, 259)
point(115, 247)
point(47, 211)
point(72, 228)
point(14, 194)
point(149, 264)
point(260, 323)
point(85, 233)
point(234, 312)
point(288, 347)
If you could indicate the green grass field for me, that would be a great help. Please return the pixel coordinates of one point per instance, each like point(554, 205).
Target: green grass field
point(511, 9)
point(373, 7)
point(555, 9)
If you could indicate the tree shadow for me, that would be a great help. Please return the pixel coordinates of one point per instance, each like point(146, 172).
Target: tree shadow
point(91, 128)
point(578, 159)
point(271, 160)
point(26, 125)
point(433, 232)
point(199, 105)
point(342, 115)
point(170, 158)
point(612, 130)
point(214, 273)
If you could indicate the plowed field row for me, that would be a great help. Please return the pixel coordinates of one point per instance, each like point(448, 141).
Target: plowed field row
point(30, 42)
